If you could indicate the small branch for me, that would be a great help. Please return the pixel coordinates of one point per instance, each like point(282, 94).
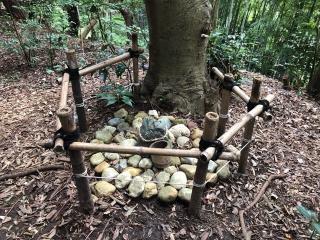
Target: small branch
point(32, 171)
point(247, 234)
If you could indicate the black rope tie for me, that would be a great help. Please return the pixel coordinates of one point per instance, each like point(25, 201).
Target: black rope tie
point(217, 144)
point(265, 104)
point(228, 85)
point(67, 137)
point(74, 73)
point(134, 53)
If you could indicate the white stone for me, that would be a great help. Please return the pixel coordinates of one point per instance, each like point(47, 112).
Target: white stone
point(104, 188)
point(150, 190)
point(134, 160)
point(162, 177)
point(112, 156)
point(178, 180)
point(185, 194)
point(136, 186)
point(183, 142)
point(168, 194)
point(145, 163)
point(153, 113)
point(123, 179)
point(180, 130)
point(96, 159)
point(109, 174)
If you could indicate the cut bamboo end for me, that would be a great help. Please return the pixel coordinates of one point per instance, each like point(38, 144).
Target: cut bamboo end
point(218, 73)
point(65, 115)
point(210, 126)
point(255, 92)
point(71, 59)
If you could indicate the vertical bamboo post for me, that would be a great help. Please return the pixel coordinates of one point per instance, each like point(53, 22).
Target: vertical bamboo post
point(225, 101)
point(135, 65)
point(248, 131)
point(209, 134)
point(76, 88)
point(84, 195)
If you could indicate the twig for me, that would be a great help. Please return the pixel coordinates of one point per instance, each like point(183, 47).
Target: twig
point(247, 234)
point(30, 171)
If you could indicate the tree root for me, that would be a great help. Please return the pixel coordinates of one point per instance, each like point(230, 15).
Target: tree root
point(32, 171)
point(247, 234)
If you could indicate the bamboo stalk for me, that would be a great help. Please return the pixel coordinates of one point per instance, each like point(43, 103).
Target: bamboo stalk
point(58, 145)
point(225, 101)
point(106, 63)
point(135, 65)
point(94, 147)
point(248, 132)
point(227, 136)
point(84, 194)
point(218, 73)
point(209, 134)
point(76, 89)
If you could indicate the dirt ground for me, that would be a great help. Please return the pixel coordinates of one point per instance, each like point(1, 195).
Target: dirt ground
point(44, 206)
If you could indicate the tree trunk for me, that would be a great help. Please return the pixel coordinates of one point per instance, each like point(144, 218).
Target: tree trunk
point(177, 66)
point(74, 20)
point(314, 83)
point(12, 6)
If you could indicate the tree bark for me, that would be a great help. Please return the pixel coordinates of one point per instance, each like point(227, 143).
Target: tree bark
point(177, 66)
point(74, 20)
point(12, 6)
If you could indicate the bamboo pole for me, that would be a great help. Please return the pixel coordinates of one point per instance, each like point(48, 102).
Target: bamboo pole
point(58, 145)
point(135, 65)
point(209, 134)
point(84, 194)
point(224, 111)
point(227, 136)
point(248, 132)
point(76, 89)
point(236, 90)
point(120, 58)
point(94, 147)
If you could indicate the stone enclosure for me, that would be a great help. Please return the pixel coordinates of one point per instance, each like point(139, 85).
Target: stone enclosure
point(136, 174)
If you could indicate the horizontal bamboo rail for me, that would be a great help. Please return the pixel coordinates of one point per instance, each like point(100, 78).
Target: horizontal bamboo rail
point(226, 137)
point(58, 145)
point(120, 58)
point(80, 146)
point(238, 91)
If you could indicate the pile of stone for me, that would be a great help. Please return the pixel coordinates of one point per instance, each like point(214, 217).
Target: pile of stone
point(136, 174)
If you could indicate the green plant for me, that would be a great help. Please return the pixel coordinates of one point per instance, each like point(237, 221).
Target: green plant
point(115, 93)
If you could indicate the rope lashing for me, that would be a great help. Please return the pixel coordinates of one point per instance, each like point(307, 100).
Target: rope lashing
point(134, 53)
point(265, 103)
point(229, 84)
point(67, 137)
point(74, 73)
point(218, 146)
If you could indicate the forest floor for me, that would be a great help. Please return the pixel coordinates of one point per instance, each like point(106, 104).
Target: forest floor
point(45, 206)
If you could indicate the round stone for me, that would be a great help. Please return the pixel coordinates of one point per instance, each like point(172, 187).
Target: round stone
point(109, 174)
point(180, 130)
point(123, 179)
point(112, 156)
point(121, 113)
point(104, 188)
point(136, 187)
point(168, 194)
point(162, 178)
point(189, 170)
point(178, 180)
point(134, 160)
point(145, 163)
point(101, 167)
point(133, 171)
point(150, 190)
point(171, 170)
point(185, 194)
point(96, 159)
